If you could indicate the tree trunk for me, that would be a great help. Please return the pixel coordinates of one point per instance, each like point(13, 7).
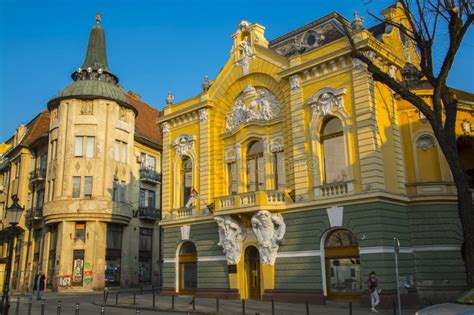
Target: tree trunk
point(465, 213)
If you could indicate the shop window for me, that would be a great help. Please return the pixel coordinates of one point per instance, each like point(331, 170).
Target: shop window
point(145, 255)
point(255, 167)
point(113, 256)
point(332, 140)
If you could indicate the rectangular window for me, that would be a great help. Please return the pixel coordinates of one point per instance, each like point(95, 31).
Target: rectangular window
point(124, 152)
point(76, 186)
point(145, 239)
point(80, 231)
point(232, 173)
point(147, 161)
point(116, 150)
point(252, 174)
point(279, 170)
point(78, 147)
point(43, 162)
point(122, 191)
point(90, 147)
point(113, 254)
point(145, 255)
point(88, 187)
point(147, 198)
point(40, 199)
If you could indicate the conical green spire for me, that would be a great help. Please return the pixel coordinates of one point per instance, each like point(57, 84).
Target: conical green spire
point(95, 64)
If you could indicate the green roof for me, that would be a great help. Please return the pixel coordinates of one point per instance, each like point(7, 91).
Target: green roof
point(96, 56)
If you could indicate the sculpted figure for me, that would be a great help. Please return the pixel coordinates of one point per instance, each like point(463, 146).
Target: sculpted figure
point(245, 47)
point(269, 230)
point(231, 235)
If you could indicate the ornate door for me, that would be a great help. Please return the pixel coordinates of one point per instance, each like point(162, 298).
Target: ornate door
point(252, 269)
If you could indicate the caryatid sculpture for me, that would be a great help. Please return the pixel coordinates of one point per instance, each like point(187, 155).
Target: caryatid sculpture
point(269, 229)
point(231, 236)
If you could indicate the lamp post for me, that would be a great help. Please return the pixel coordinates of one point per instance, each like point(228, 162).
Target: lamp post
point(13, 215)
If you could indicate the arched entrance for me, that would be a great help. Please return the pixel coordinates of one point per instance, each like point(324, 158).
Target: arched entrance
point(343, 270)
point(253, 272)
point(187, 268)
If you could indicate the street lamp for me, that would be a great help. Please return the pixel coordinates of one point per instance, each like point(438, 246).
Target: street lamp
point(13, 215)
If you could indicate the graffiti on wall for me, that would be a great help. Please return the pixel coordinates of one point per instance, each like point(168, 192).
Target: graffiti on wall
point(88, 273)
point(64, 281)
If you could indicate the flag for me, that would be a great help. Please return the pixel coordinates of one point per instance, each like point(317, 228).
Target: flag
point(192, 196)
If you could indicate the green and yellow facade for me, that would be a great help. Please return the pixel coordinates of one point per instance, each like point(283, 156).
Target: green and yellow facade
point(292, 172)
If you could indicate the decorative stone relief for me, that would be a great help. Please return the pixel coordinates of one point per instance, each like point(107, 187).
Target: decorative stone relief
point(122, 114)
point(466, 127)
point(358, 64)
point(184, 145)
point(166, 128)
point(327, 101)
point(185, 232)
point(392, 71)
point(425, 142)
point(295, 82)
point(255, 104)
point(203, 114)
point(269, 229)
point(231, 235)
point(87, 109)
point(301, 43)
point(246, 55)
point(207, 84)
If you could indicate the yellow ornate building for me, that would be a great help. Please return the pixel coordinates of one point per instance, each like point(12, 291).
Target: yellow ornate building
point(288, 177)
point(87, 171)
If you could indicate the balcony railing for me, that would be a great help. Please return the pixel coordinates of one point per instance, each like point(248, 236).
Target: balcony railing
point(38, 174)
point(35, 213)
point(183, 212)
point(251, 199)
point(334, 190)
point(148, 213)
point(150, 175)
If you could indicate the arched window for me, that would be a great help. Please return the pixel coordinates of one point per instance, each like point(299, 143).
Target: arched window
point(343, 268)
point(187, 268)
point(427, 159)
point(332, 141)
point(255, 167)
point(187, 181)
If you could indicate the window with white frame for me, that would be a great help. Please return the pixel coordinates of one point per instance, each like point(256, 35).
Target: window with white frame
point(332, 140)
point(120, 151)
point(147, 162)
point(84, 146)
point(147, 198)
point(255, 167)
point(232, 177)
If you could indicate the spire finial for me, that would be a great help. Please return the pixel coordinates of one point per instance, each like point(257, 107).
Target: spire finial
point(98, 18)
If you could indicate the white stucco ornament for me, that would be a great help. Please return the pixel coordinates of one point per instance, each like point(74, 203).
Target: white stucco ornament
point(295, 82)
point(184, 145)
point(203, 114)
point(255, 104)
point(326, 105)
point(231, 235)
point(269, 229)
point(166, 128)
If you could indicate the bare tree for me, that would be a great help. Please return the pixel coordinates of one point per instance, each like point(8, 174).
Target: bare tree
point(428, 21)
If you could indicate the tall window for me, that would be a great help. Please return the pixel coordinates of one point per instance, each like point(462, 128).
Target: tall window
point(40, 199)
point(120, 151)
point(147, 198)
point(53, 238)
point(147, 161)
point(255, 167)
point(88, 187)
point(279, 170)
point(187, 180)
point(43, 162)
point(113, 254)
point(333, 151)
point(54, 149)
point(232, 176)
point(76, 187)
point(84, 145)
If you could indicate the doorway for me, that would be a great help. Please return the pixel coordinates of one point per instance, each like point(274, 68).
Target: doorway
point(78, 267)
point(187, 269)
point(253, 272)
point(343, 268)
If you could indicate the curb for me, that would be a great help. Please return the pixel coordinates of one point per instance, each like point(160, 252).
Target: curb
point(156, 309)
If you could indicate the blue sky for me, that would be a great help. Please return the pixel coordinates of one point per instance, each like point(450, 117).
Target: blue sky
point(153, 46)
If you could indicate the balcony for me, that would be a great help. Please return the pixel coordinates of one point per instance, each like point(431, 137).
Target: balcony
point(150, 176)
point(179, 213)
point(334, 190)
point(252, 199)
point(38, 175)
point(35, 214)
point(148, 213)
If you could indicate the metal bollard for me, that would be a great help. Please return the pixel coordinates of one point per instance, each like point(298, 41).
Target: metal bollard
point(134, 298)
point(172, 302)
point(243, 306)
point(141, 289)
point(30, 304)
point(394, 308)
point(116, 298)
point(307, 308)
point(153, 297)
point(102, 310)
point(77, 309)
point(137, 312)
point(17, 311)
point(58, 308)
point(217, 305)
point(273, 307)
point(350, 308)
point(194, 304)
point(43, 304)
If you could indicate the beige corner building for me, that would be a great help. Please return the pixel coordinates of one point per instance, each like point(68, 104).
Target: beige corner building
point(87, 171)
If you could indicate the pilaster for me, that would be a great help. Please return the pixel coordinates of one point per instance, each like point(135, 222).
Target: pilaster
point(166, 171)
point(204, 160)
point(368, 137)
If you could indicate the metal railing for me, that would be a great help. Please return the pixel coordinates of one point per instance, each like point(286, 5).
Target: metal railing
point(148, 213)
point(150, 175)
point(38, 174)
